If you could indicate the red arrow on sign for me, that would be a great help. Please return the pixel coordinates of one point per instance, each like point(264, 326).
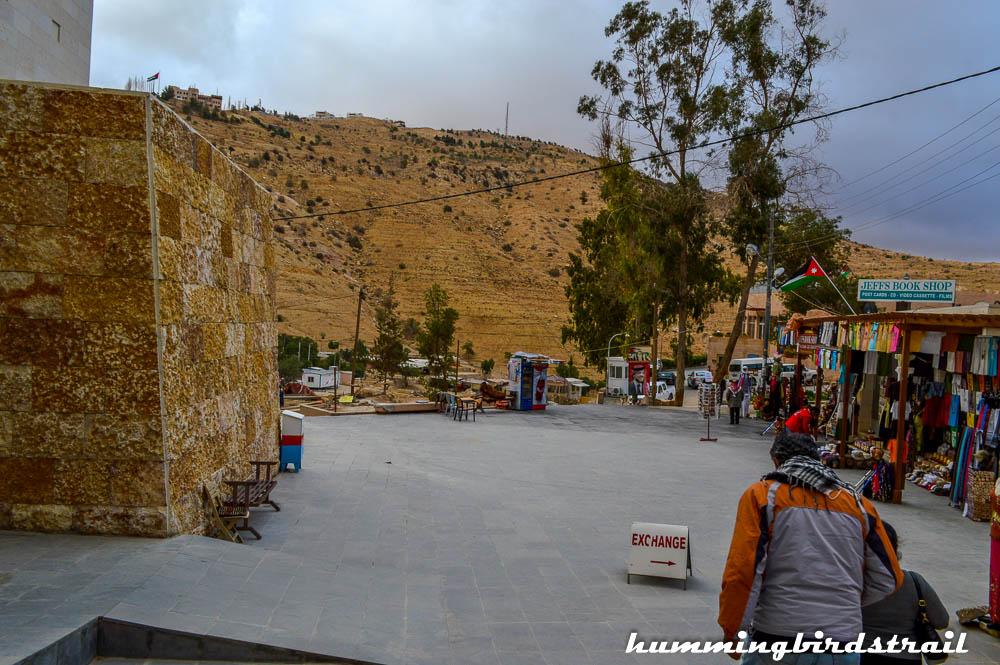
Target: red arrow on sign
point(666, 563)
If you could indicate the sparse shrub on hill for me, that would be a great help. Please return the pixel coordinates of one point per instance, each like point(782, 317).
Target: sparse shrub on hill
point(508, 247)
point(555, 272)
point(354, 241)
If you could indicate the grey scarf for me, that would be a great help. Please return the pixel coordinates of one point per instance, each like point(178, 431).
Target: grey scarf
point(801, 471)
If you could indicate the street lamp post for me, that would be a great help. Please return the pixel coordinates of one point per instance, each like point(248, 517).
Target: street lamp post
point(607, 358)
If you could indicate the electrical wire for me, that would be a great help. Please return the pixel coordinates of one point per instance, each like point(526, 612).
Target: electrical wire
point(706, 144)
point(882, 186)
point(943, 194)
point(910, 154)
point(926, 182)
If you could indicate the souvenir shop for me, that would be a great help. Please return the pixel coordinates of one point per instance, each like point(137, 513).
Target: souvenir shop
point(933, 427)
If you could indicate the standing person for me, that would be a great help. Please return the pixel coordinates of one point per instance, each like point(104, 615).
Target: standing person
point(734, 399)
point(807, 553)
point(897, 615)
point(801, 422)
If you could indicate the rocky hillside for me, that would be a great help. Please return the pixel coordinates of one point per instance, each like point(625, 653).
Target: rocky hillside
point(500, 255)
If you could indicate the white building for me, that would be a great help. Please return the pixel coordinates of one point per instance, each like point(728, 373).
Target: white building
point(316, 377)
point(46, 40)
point(617, 376)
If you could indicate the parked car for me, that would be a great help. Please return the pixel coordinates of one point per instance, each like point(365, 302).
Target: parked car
point(670, 378)
point(665, 392)
point(808, 375)
point(697, 377)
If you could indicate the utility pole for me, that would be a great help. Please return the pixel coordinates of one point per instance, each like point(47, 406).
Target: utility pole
point(767, 301)
point(357, 327)
point(298, 354)
point(456, 363)
point(506, 124)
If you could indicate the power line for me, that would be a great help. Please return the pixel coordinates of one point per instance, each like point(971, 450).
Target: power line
point(928, 181)
point(706, 144)
point(910, 154)
point(943, 194)
point(940, 152)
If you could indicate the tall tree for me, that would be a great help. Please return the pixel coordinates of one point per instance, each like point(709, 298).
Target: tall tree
point(387, 353)
point(435, 339)
point(663, 76)
point(774, 67)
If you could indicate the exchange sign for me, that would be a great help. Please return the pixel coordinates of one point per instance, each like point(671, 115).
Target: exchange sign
point(906, 290)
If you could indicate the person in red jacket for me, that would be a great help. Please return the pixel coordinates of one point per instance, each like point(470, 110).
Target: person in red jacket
point(801, 422)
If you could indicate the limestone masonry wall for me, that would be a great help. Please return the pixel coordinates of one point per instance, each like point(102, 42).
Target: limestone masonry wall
point(137, 356)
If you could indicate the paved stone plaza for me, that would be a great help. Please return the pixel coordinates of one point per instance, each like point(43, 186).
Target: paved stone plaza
point(416, 539)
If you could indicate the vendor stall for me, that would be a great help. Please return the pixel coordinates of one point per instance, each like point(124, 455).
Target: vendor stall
point(527, 374)
point(936, 422)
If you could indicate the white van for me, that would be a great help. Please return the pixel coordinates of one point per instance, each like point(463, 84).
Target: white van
point(752, 365)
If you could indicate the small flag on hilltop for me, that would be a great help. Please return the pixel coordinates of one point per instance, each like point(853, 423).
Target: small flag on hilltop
point(807, 274)
point(845, 271)
point(153, 77)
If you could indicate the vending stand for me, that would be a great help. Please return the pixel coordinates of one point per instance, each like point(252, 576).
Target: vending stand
point(527, 376)
point(292, 431)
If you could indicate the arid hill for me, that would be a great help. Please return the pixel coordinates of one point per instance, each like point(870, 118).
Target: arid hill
point(500, 255)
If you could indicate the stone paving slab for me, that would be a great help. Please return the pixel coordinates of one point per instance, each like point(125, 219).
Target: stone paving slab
point(417, 539)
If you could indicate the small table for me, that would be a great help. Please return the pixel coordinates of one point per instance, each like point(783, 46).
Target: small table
point(468, 404)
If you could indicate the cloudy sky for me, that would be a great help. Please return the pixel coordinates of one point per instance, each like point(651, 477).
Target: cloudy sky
point(452, 64)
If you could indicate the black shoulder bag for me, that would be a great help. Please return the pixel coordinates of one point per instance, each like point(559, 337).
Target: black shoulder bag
point(925, 631)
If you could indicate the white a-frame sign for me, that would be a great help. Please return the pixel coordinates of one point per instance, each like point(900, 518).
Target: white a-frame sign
point(659, 550)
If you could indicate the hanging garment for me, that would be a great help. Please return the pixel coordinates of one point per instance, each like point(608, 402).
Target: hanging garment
point(931, 343)
point(949, 343)
point(991, 360)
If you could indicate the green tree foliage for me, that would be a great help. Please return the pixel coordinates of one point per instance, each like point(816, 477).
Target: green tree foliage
point(468, 350)
point(411, 327)
point(666, 75)
point(775, 69)
point(808, 233)
point(487, 367)
point(435, 339)
point(387, 353)
point(294, 353)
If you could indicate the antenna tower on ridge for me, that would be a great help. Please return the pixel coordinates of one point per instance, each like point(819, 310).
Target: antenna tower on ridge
point(506, 121)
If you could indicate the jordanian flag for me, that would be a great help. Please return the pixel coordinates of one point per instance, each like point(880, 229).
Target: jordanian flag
point(807, 274)
point(153, 77)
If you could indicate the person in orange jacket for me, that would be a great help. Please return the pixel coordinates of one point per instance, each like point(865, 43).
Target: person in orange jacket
point(807, 553)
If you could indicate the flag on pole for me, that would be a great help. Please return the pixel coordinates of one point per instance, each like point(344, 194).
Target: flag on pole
point(153, 77)
point(807, 274)
point(845, 271)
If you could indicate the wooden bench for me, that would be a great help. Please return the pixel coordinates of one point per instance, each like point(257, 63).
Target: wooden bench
point(224, 517)
point(253, 492)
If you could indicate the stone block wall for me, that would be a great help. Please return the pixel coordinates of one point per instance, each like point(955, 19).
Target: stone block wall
point(137, 357)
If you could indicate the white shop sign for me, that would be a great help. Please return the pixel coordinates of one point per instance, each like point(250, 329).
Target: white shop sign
point(659, 550)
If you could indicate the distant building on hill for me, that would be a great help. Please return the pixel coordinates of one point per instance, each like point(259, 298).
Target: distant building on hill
point(355, 115)
point(192, 95)
point(324, 115)
point(42, 40)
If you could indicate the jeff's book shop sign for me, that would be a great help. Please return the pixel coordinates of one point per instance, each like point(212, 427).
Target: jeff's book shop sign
point(906, 290)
